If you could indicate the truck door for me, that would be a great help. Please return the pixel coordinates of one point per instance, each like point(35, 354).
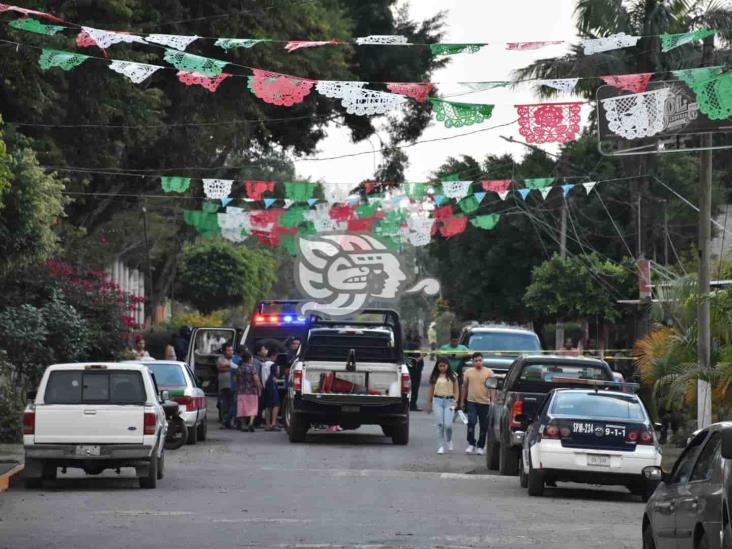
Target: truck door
point(204, 350)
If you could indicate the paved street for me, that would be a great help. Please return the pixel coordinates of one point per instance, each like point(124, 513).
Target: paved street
point(347, 489)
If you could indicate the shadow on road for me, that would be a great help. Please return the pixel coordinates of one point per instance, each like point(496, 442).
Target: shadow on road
point(347, 438)
point(570, 491)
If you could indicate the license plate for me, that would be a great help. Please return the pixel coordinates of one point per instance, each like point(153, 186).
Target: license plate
point(87, 450)
point(598, 460)
point(350, 409)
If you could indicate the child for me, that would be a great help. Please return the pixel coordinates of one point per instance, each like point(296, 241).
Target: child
point(271, 395)
point(444, 392)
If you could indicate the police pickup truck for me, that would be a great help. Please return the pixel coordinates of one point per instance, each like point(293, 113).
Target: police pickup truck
point(350, 373)
point(528, 381)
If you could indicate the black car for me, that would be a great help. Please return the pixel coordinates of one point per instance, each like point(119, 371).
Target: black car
point(690, 508)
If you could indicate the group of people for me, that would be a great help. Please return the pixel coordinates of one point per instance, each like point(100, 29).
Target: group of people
point(247, 386)
point(453, 390)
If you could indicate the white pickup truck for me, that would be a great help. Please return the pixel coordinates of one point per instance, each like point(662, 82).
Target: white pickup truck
point(351, 373)
point(95, 416)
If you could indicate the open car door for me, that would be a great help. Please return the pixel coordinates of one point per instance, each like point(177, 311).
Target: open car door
point(204, 349)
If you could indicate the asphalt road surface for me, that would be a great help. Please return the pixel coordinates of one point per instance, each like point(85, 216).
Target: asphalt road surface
point(336, 490)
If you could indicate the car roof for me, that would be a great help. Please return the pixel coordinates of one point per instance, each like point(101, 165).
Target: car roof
point(137, 366)
point(562, 359)
point(500, 329)
point(150, 361)
point(591, 391)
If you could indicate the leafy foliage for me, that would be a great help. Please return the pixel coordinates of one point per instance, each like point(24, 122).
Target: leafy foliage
point(216, 274)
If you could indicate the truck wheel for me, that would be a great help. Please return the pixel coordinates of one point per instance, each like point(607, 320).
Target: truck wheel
point(642, 489)
point(491, 455)
point(523, 477)
point(150, 481)
point(388, 430)
point(177, 434)
point(508, 460)
point(49, 472)
point(535, 482)
point(161, 466)
point(297, 429)
point(400, 433)
point(192, 437)
point(203, 430)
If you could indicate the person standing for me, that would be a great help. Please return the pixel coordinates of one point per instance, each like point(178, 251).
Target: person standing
point(415, 365)
point(479, 399)
point(432, 338)
point(442, 398)
point(456, 355)
point(260, 359)
point(224, 366)
point(170, 353)
point(248, 387)
point(270, 394)
point(139, 352)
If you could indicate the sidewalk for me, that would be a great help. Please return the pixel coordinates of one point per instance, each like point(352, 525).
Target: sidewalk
point(11, 464)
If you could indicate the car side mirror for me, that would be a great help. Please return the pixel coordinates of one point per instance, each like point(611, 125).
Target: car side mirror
point(164, 395)
point(658, 427)
point(727, 442)
point(493, 383)
point(653, 473)
point(30, 396)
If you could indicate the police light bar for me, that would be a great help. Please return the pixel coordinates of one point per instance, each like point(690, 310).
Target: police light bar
point(279, 320)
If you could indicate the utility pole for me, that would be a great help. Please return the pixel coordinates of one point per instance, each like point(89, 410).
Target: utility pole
point(639, 243)
point(559, 328)
point(665, 232)
point(704, 391)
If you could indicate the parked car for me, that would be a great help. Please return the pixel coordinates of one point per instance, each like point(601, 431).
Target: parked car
point(179, 381)
point(690, 509)
point(95, 416)
point(592, 436)
point(500, 345)
point(350, 373)
point(529, 379)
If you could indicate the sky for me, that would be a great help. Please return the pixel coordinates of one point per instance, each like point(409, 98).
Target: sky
point(466, 21)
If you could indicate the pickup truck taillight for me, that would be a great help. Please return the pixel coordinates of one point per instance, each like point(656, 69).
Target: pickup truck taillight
point(29, 422)
point(406, 384)
point(150, 423)
point(297, 381)
point(516, 410)
point(191, 403)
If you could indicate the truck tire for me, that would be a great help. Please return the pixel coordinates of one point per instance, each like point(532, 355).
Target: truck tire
point(508, 460)
point(535, 482)
point(177, 434)
point(388, 430)
point(161, 466)
point(150, 481)
point(491, 455)
point(192, 437)
point(49, 472)
point(203, 430)
point(523, 477)
point(33, 483)
point(298, 429)
point(400, 433)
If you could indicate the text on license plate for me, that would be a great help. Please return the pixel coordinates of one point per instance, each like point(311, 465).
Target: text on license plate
point(598, 460)
point(84, 450)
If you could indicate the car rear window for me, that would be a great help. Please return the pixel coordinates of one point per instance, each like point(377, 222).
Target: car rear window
point(574, 404)
point(336, 345)
point(168, 375)
point(543, 377)
point(77, 387)
point(501, 341)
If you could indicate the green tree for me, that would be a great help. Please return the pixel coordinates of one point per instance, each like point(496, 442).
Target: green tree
point(579, 288)
point(216, 274)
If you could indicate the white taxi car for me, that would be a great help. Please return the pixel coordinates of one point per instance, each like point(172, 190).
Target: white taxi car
point(592, 436)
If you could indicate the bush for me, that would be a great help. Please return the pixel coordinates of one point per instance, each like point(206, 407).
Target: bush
point(23, 334)
point(11, 413)
point(68, 334)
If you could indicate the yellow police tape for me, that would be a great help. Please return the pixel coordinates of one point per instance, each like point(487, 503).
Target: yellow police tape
point(589, 353)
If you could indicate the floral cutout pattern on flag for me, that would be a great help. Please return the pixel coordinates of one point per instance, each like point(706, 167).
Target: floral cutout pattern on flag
point(637, 115)
point(609, 43)
point(549, 122)
point(335, 193)
point(293, 45)
point(217, 188)
point(456, 189)
point(233, 43)
point(545, 192)
point(671, 41)
point(299, 191)
point(453, 226)
point(198, 79)
point(136, 72)
point(370, 102)
point(420, 230)
point(62, 59)
point(33, 25)
point(713, 90)
point(103, 39)
point(338, 89)
point(279, 89)
point(496, 185)
point(174, 41)
point(564, 85)
point(486, 222)
point(538, 182)
point(589, 186)
point(634, 83)
point(382, 40)
point(452, 49)
point(456, 115)
point(418, 92)
point(525, 46)
point(194, 63)
point(255, 189)
point(175, 184)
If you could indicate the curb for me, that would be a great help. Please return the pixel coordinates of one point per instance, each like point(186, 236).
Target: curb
point(11, 477)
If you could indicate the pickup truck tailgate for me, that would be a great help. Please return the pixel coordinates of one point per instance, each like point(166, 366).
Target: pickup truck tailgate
point(89, 423)
point(380, 378)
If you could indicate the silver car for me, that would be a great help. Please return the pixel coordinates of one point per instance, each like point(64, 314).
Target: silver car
point(177, 379)
point(690, 508)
